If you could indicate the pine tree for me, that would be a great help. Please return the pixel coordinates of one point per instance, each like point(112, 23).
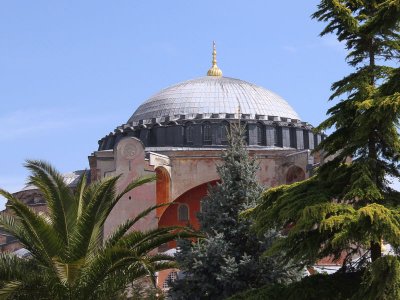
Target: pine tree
point(349, 207)
point(228, 260)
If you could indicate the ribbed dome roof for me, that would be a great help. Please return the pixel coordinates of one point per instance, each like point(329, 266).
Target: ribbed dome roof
point(214, 95)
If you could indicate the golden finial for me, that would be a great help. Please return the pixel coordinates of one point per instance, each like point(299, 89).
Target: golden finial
point(214, 71)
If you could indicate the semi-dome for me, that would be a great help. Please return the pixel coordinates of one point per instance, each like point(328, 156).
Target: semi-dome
point(214, 95)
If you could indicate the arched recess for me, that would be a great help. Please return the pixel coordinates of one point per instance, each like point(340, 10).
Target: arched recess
point(191, 198)
point(163, 188)
point(295, 174)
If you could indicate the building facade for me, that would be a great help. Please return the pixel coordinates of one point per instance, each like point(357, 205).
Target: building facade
point(178, 135)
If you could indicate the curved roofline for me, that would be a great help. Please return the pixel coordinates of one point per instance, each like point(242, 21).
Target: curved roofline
point(213, 95)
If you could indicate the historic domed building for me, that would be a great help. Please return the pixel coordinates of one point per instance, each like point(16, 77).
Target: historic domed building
point(178, 134)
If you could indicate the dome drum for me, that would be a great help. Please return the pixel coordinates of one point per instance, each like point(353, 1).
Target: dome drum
point(212, 132)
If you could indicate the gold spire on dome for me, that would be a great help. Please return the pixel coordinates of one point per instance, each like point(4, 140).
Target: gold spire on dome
point(214, 70)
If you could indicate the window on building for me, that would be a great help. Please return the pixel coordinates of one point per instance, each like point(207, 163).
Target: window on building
point(172, 276)
point(153, 136)
point(183, 212)
point(189, 133)
point(37, 199)
point(260, 135)
point(224, 133)
point(207, 133)
point(293, 137)
point(315, 140)
point(306, 139)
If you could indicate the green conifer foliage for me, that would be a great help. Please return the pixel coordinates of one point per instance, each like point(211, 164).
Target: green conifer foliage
point(228, 259)
point(381, 281)
point(349, 207)
point(238, 190)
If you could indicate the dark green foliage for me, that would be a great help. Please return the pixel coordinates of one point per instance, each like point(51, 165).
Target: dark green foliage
point(345, 207)
point(270, 292)
point(239, 190)
point(143, 290)
point(322, 227)
point(339, 286)
point(365, 130)
point(381, 281)
point(350, 207)
point(68, 257)
point(228, 259)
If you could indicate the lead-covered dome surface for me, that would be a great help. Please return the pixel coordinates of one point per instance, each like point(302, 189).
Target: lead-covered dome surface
point(214, 95)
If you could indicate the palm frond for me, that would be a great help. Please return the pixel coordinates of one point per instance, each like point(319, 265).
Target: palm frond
point(96, 196)
point(9, 288)
point(40, 232)
point(157, 241)
point(57, 194)
point(155, 237)
point(136, 183)
point(78, 195)
point(68, 272)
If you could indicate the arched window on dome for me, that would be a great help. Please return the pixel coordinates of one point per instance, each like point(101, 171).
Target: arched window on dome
point(189, 133)
point(183, 212)
point(260, 134)
point(207, 133)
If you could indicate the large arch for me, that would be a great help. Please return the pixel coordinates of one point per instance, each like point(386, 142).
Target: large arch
point(163, 188)
point(190, 198)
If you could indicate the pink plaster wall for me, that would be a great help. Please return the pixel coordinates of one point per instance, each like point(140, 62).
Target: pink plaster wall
point(130, 162)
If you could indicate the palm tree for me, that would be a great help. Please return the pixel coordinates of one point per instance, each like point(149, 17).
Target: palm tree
point(69, 259)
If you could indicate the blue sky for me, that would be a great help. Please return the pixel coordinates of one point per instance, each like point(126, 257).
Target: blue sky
point(71, 71)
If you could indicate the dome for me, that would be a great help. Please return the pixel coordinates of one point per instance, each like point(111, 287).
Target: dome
point(198, 114)
point(214, 95)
